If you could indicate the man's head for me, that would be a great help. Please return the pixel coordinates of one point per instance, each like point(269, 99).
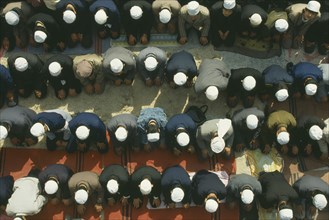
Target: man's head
point(116, 65)
point(255, 20)
point(177, 194)
point(121, 133)
point(81, 195)
point(12, 17)
point(38, 129)
point(84, 69)
point(247, 196)
point(311, 11)
point(282, 136)
point(217, 144)
point(82, 132)
point(21, 64)
point(112, 186)
point(182, 138)
point(212, 93)
point(153, 131)
point(315, 132)
point(311, 86)
point(319, 201)
point(3, 132)
point(193, 8)
point(285, 211)
point(51, 186)
point(145, 186)
point(136, 12)
point(211, 204)
point(249, 83)
point(69, 15)
point(281, 25)
point(150, 63)
point(165, 16)
point(180, 78)
point(55, 68)
point(100, 17)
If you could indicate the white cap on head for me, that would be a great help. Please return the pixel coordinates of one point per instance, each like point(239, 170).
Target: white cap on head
point(81, 196)
point(281, 95)
point(21, 64)
point(3, 132)
point(18, 218)
point(177, 194)
point(211, 205)
point(217, 144)
point(212, 93)
point(183, 139)
point(145, 187)
point(286, 214)
point(40, 36)
point(249, 83)
point(37, 129)
point(229, 4)
point(136, 12)
point(51, 187)
point(180, 78)
point(319, 201)
point(69, 16)
point(281, 25)
point(153, 137)
point(12, 18)
point(116, 65)
point(313, 6)
point(82, 132)
point(311, 88)
point(151, 63)
point(193, 8)
point(100, 17)
point(315, 132)
point(112, 186)
point(247, 196)
point(55, 68)
point(121, 134)
point(283, 137)
point(164, 16)
point(252, 121)
point(255, 19)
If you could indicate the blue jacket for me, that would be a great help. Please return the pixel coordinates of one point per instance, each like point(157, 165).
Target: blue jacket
point(6, 189)
point(274, 74)
point(181, 61)
point(6, 81)
point(303, 70)
point(176, 176)
point(91, 121)
point(180, 121)
point(53, 120)
point(112, 11)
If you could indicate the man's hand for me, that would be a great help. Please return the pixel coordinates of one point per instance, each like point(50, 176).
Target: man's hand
point(72, 93)
point(156, 202)
point(98, 208)
point(294, 150)
point(89, 89)
point(61, 94)
point(111, 201)
point(137, 203)
point(128, 82)
point(308, 149)
point(30, 141)
point(144, 39)
point(61, 45)
point(227, 151)
point(101, 145)
point(102, 34)
point(149, 82)
point(284, 149)
point(81, 209)
point(37, 94)
point(74, 37)
point(158, 81)
point(239, 147)
point(15, 141)
point(267, 149)
point(117, 82)
point(99, 88)
point(124, 201)
point(172, 205)
point(204, 153)
point(131, 40)
point(183, 40)
point(186, 205)
point(203, 40)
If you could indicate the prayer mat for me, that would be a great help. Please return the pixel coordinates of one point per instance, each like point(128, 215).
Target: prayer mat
point(307, 107)
point(252, 48)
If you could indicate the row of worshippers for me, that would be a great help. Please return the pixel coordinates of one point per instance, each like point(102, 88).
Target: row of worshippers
point(70, 22)
point(247, 129)
point(174, 187)
point(29, 73)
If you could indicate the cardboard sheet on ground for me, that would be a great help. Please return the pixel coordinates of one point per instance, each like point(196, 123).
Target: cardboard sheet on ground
point(222, 175)
point(260, 162)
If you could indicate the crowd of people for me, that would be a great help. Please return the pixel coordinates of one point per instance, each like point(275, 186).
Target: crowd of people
point(65, 23)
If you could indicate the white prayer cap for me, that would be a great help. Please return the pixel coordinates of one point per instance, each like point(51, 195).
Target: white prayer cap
point(153, 137)
point(211, 205)
point(180, 78)
point(255, 19)
point(249, 83)
point(315, 132)
point(164, 16)
point(212, 93)
point(319, 201)
point(55, 68)
point(40, 36)
point(69, 16)
point(136, 12)
point(286, 214)
point(116, 65)
point(151, 63)
point(145, 187)
point(82, 132)
point(252, 121)
point(121, 134)
point(311, 88)
point(283, 137)
point(3, 132)
point(229, 4)
point(193, 8)
point(100, 17)
point(18, 218)
point(81, 196)
point(313, 6)
point(217, 144)
point(247, 196)
point(21, 64)
point(281, 95)
point(37, 129)
point(112, 186)
point(183, 139)
point(281, 25)
point(12, 18)
point(51, 187)
point(177, 194)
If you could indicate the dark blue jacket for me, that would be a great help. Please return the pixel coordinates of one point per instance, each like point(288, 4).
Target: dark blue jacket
point(111, 10)
point(62, 173)
point(204, 183)
point(181, 61)
point(6, 81)
point(304, 70)
point(176, 176)
point(6, 189)
point(274, 74)
point(180, 121)
point(91, 121)
point(53, 120)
